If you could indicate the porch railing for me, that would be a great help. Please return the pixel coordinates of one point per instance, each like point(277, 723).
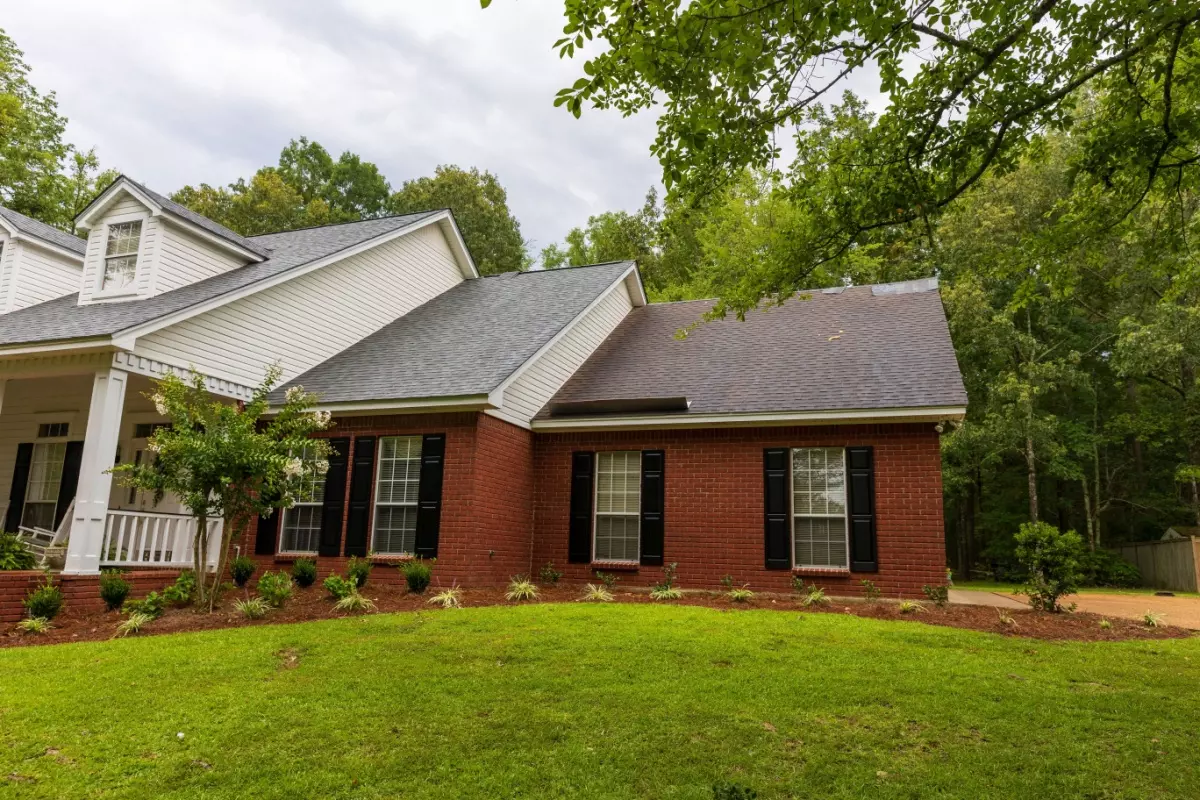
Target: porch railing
point(146, 538)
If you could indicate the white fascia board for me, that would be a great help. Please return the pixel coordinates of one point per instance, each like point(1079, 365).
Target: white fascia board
point(50, 246)
point(834, 417)
point(458, 245)
point(8, 227)
point(637, 290)
point(415, 405)
point(86, 217)
point(497, 394)
point(274, 280)
point(96, 343)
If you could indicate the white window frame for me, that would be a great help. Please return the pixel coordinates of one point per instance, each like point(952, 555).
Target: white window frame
point(41, 445)
point(597, 513)
point(131, 288)
point(844, 516)
point(316, 501)
point(376, 504)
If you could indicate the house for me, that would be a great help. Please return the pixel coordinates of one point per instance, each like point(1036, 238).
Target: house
point(496, 423)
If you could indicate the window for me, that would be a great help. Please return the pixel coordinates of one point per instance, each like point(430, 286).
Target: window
point(53, 430)
point(120, 255)
point(618, 506)
point(302, 522)
point(819, 537)
point(396, 484)
point(45, 477)
point(144, 430)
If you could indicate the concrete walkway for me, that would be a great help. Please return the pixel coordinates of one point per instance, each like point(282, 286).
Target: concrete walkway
point(1181, 611)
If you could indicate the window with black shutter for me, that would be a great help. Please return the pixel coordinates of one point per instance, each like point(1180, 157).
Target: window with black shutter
point(429, 495)
point(579, 537)
point(653, 501)
point(333, 503)
point(358, 515)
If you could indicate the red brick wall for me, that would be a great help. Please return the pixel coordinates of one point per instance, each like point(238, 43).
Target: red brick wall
point(714, 502)
point(80, 592)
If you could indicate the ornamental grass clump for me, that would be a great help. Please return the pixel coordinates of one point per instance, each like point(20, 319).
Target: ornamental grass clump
point(135, 623)
point(252, 608)
point(521, 588)
point(910, 607)
point(597, 594)
point(666, 588)
point(354, 602)
point(34, 625)
point(447, 598)
point(814, 595)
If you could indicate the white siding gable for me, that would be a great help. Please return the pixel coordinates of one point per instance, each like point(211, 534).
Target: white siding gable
point(125, 209)
point(31, 274)
point(538, 382)
point(308, 319)
point(183, 258)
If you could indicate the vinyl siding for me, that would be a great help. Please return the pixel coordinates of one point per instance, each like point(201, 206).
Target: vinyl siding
point(8, 250)
point(304, 321)
point(93, 261)
point(34, 275)
point(183, 259)
point(525, 396)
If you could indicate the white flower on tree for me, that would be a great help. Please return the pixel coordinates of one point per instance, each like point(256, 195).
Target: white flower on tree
point(293, 393)
point(320, 466)
point(160, 403)
point(293, 468)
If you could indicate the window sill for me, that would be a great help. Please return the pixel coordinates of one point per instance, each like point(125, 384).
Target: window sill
point(828, 571)
point(287, 558)
point(390, 558)
point(616, 566)
point(115, 294)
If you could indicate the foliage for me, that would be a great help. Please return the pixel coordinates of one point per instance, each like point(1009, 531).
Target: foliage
point(480, 206)
point(183, 590)
point(13, 554)
point(275, 588)
point(661, 592)
point(812, 595)
point(34, 625)
point(136, 621)
point(1052, 559)
point(354, 602)
point(1106, 568)
point(741, 594)
point(521, 588)
point(549, 574)
point(938, 595)
point(1153, 620)
point(608, 579)
point(225, 460)
point(732, 791)
point(668, 577)
point(241, 569)
point(599, 594)
point(44, 601)
point(253, 607)
point(152, 605)
point(113, 589)
point(909, 607)
point(1105, 625)
point(870, 590)
point(448, 598)
point(304, 572)
point(338, 587)
point(358, 570)
point(1005, 618)
point(417, 573)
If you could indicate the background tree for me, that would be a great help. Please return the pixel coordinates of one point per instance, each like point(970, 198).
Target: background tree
point(230, 462)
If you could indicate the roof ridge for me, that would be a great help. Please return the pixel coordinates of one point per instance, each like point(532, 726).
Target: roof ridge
point(347, 222)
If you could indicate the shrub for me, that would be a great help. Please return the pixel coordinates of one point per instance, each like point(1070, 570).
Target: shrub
point(798, 584)
point(358, 570)
point(137, 620)
point(727, 582)
point(275, 588)
point(1105, 568)
point(13, 554)
point(180, 592)
point(599, 594)
point(417, 574)
point(910, 607)
point(1154, 620)
point(549, 574)
point(45, 601)
point(448, 598)
point(338, 587)
point(1105, 625)
point(521, 588)
point(113, 589)
point(354, 602)
point(252, 608)
point(241, 569)
point(608, 579)
point(34, 625)
point(741, 594)
point(870, 590)
point(938, 595)
point(814, 596)
point(660, 592)
point(152, 605)
point(1052, 558)
point(304, 572)
point(732, 791)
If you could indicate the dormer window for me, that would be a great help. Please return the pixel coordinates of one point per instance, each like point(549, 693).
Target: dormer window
point(120, 255)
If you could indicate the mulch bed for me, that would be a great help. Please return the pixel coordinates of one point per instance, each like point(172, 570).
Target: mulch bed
point(313, 603)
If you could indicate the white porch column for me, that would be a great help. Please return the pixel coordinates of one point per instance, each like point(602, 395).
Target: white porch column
point(95, 482)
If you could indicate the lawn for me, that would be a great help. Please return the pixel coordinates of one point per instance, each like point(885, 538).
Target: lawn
point(599, 701)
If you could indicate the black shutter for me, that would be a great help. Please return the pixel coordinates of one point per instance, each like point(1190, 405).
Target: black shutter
point(334, 504)
point(16, 496)
point(776, 482)
point(267, 533)
point(429, 494)
point(361, 477)
point(861, 461)
point(653, 500)
point(70, 480)
point(579, 537)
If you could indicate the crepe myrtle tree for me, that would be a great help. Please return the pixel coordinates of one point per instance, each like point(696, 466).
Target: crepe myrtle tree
point(229, 461)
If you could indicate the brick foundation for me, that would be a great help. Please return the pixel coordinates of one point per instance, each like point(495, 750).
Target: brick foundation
point(80, 592)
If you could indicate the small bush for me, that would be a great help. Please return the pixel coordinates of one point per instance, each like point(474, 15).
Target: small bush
point(910, 607)
point(727, 582)
point(275, 588)
point(1105, 625)
point(358, 570)
point(417, 574)
point(241, 569)
point(814, 596)
point(13, 554)
point(665, 593)
point(732, 791)
point(45, 601)
point(741, 594)
point(180, 592)
point(598, 594)
point(448, 598)
point(152, 606)
point(113, 589)
point(1052, 559)
point(338, 587)
point(521, 588)
point(608, 579)
point(938, 595)
point(870, 590)
point(137, 620)
point(549, 574)
point(252, 608)
point(1106, 568)
point(304, 572)
point(34, 625)
point(798, 584)
point(1153, 620)
point(354, 602)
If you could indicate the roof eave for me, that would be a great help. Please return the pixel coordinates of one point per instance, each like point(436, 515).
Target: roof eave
point(931, 414)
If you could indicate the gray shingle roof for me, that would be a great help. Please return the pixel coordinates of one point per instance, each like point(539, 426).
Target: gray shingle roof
point(465, 341)
point(215, 228)
point(40, 230)
point(62, 318)
point(858, 348)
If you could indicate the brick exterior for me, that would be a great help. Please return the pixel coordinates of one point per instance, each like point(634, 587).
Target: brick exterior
point(80, 592)
point(714, 503)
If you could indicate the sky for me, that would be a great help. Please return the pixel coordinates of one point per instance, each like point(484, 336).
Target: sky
point(208, 91)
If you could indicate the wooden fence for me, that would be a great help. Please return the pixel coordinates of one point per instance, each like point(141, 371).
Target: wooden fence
point(1172, 564)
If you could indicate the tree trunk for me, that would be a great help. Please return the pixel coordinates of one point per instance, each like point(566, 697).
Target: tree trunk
point(1087, 511)
point(200, 556)
point(1135, 444)
point(1031, 467)
point(222, 560)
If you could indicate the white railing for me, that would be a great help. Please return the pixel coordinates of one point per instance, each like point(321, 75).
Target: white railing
point(143, 538)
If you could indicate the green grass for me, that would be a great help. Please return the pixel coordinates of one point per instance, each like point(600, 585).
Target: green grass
point(599, 701)
point(1011, 588)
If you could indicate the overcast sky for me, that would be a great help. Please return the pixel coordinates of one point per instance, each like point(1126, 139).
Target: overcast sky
point(208, 91)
